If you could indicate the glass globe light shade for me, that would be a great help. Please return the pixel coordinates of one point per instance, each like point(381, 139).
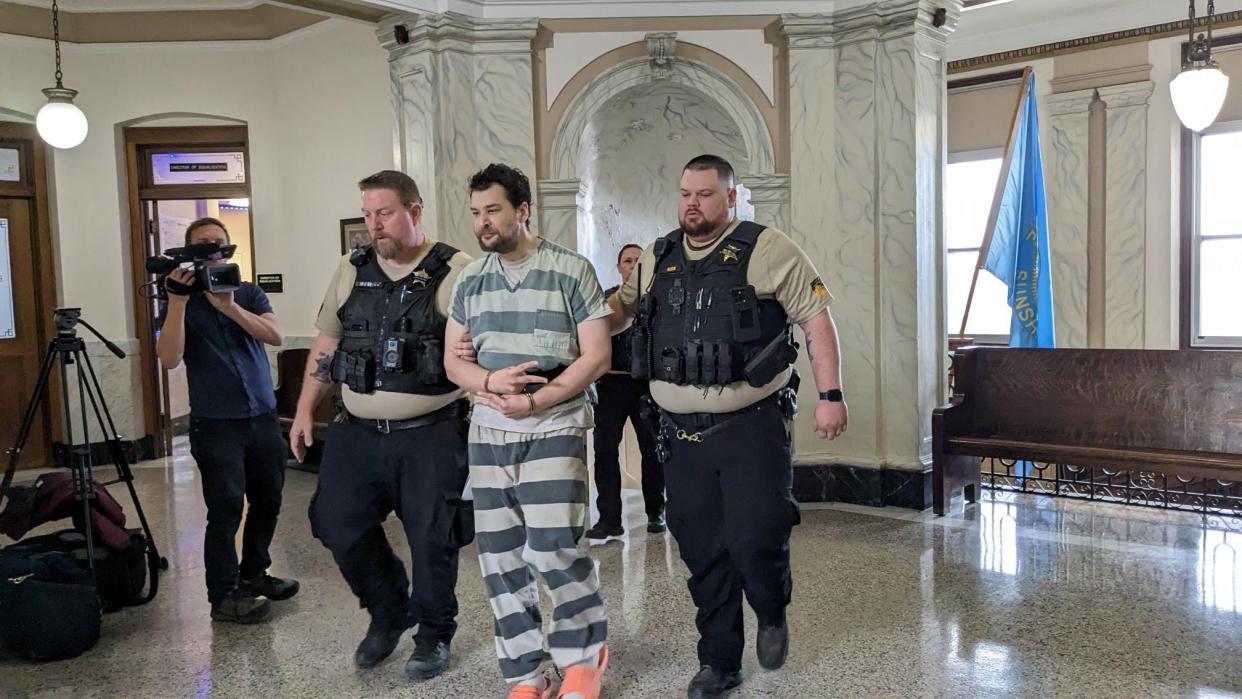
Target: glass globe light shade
point(60, 122)
point(1198, 94)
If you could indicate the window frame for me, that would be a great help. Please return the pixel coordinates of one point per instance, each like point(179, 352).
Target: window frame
point(1191, 242)
point(968, 156)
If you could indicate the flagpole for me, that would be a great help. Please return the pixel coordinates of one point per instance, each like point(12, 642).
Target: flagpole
point(996, 198)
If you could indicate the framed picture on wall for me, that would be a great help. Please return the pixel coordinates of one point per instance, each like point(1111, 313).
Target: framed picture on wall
point(353, 234)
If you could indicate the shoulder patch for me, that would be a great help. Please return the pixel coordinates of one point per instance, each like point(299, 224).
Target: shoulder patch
point(818, 288)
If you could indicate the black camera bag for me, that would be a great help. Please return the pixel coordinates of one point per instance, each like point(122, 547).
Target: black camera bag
point(49, 610)
point(120, 576)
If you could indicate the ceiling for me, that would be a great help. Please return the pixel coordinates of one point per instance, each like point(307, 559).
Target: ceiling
point(986, 26)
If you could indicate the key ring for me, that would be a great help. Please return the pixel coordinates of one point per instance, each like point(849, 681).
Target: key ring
point(687, 437)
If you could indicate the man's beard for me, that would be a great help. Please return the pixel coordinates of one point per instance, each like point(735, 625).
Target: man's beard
point(388, 248)
point(702, 229)
point(501, 244)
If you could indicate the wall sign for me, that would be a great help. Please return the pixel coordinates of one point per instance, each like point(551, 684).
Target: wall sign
point(8, 325)
point(272, 283)
point(198, 168)
point(10, 165)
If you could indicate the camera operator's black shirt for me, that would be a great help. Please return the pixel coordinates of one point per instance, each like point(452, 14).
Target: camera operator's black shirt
point(226, 368)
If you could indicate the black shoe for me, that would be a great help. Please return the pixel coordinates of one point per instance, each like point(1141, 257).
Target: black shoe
point(270, 587)
point(381, 640)
point(604, 531)
point(711, 683)
point(428, 660)
point(772, 645)
point(240, 607)
point(656, 525)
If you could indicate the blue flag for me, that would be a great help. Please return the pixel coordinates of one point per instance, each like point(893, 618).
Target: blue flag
point(1018, 254)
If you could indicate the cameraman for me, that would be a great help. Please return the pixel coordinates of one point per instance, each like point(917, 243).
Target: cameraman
point(235, 436)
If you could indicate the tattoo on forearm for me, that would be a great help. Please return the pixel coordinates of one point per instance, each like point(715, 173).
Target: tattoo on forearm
point(323, 368)
point(810, 353)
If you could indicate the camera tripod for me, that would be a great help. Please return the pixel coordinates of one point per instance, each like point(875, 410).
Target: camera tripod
point(69, 349)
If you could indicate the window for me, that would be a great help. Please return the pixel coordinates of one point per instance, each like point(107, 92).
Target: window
point(1215, 240)
point(970, 186)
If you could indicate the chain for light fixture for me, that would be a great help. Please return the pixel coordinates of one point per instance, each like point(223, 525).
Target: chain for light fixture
point(1199, 49)
point(56, 39)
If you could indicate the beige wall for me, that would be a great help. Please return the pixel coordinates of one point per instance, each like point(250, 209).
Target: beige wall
point(316, 104)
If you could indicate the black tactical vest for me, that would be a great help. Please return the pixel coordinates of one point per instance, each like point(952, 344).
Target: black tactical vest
point(622, 342)
point(702, 324)
point(393, 336)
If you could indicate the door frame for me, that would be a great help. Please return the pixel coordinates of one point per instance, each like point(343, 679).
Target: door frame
point(140, 142)
point(34, 186)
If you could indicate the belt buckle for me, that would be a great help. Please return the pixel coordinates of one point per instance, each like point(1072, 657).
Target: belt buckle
point(384, 426)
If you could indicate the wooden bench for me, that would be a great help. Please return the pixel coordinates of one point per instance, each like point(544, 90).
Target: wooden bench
point(290, 371)
point(1176, 413)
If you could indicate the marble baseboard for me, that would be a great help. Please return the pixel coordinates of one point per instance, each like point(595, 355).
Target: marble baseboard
point(859, 485)
point(135, 450)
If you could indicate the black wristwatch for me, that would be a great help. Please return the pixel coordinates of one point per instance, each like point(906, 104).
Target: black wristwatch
point(833, 396)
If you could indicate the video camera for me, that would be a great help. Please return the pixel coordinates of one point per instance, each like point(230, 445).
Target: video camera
point(214, 278)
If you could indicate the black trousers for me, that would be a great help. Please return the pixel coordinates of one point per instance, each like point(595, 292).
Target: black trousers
point(238, 461)
point(417, 473)
point(731, 508)
point(619, 401)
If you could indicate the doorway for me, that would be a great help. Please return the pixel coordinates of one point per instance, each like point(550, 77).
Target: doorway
point(178, 175)
point(27, 292)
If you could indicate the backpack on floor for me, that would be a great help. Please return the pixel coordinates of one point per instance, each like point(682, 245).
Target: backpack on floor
point(49, 610)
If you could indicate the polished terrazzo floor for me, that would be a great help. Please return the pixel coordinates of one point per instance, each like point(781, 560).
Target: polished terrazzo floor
point(1018, 596)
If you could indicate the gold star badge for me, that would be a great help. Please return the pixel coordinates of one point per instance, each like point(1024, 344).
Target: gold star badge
point(728, 255)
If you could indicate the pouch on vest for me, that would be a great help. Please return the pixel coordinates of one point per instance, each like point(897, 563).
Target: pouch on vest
point(354, 369)
point(745, 314)
point(770, 361)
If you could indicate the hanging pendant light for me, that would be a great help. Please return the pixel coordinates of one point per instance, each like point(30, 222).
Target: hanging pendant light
point(1199, 90)
point(60, 122)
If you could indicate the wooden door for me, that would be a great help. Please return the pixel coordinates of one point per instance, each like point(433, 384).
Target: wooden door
point(21, 348)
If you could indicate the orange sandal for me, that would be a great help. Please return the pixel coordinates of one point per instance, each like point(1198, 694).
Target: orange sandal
point(582, 682)
point(526, 691)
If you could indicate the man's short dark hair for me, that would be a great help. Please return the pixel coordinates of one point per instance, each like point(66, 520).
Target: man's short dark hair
point(627, 246)
point(399, 182)
point(708, 161)
point(515, 184)
point(206, 221)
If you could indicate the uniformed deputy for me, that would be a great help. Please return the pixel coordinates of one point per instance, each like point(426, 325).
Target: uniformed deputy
point(714, 336)
point(621, 398)
point(400, 443)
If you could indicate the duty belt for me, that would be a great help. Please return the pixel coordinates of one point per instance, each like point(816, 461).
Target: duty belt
point(455, 410)
point(697, 427)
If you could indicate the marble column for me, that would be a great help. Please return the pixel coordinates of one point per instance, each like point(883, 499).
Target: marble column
point(867, 138)
point(463, 97)
point(769, 194)
point(559, 211)
point(1125, 213)
point(1066, 184)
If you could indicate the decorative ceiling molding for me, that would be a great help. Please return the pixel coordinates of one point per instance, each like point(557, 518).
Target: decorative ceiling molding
point(261, 22)
point(1090, 43)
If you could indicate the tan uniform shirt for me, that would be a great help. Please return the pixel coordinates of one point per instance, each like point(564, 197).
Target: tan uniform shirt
point(778, 270)
point(387, 405)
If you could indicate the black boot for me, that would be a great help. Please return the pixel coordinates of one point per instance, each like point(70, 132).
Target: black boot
point(711, 683)
point(604, 531)
point(428, 660)
point(656, 525)
point(240, 607)
point(270, 587)
point(381, 640)
point(772, 645)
